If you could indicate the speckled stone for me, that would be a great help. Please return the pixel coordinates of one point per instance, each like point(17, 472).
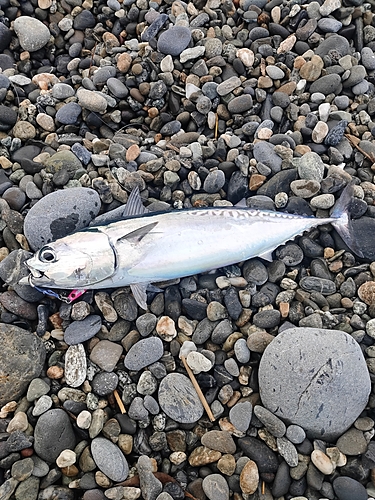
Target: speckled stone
point(23, 356)
point(179, 400)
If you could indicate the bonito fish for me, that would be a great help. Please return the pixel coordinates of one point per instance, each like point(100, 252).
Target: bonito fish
point(145, 248)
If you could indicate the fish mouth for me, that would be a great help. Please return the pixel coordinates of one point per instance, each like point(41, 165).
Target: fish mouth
point(35, 273)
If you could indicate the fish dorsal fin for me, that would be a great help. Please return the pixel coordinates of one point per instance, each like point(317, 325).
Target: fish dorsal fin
point(140, 295)
point(134, 205)
point(267, 255)
point(137, 235)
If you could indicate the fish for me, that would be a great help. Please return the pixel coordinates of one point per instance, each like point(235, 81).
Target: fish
point(150, 247)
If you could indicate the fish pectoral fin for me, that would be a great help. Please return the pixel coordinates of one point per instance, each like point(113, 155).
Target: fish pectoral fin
point(137, 235)
point(140, 295)
point(267, 255)
point(134, 205)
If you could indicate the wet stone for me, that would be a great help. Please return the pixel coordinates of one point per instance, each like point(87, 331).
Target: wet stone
point(274, 424)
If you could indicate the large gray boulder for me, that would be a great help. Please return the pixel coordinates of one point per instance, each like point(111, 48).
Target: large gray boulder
point(315, 378)
point(21, 360)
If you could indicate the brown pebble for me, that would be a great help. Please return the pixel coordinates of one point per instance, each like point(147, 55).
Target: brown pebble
point(366, 292)
point(284, 309)
point(328, 253)
point(27, 452)
point(123, 62)
point(55, 372)
point(203, 456)
point(258, 341)
point(56, 321)
point(70, 471)
point(256, 180)
point(132, 153)
point(249, 478)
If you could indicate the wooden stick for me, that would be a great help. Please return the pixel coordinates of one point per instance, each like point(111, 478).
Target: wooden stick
point(216, 125)
point(263, 487)
point(119, 402)
point(198, 389)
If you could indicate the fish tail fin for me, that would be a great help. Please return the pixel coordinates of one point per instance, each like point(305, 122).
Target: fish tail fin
point(342, 222)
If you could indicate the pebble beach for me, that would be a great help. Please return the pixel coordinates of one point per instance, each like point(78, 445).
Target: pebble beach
point(205, 103)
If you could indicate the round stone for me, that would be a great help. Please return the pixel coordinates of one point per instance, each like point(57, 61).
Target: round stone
point(60, 213)
point(69, 113)
point(53, 434)
point(179, 400)
point(32, 33)
point(174, 40)
point(144, 353)
point(22, 360)
point(315, 378)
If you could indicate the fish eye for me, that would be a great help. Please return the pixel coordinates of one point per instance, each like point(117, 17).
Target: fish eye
point(47, 255)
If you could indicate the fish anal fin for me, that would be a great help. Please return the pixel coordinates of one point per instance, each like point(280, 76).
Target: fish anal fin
point(267, 255)
point(139, 294)
point(138, 234)
point(241, 203)
point(134, 205)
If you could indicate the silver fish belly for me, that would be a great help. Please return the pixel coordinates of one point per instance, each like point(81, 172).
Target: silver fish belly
point(144, 248)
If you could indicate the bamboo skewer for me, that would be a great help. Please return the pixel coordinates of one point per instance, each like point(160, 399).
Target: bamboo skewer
point(119, 402)
point(198, 389)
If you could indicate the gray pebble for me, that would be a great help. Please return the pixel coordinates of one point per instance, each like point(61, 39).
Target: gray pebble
point(146, 323)
point(240, 415)
point(104, 383)
point(109, 459)
point(80, 331)
point(69, 113)
point(179, 400)
point(273, 423)
point(32, 33)
point(310, 382)
point(53, 433)
point(241, 351)
point(174, 40)
point(23, 356)
point(144, 353)
point(59, 213)
point(295, 434)
point(215, 487)
point(106, 354)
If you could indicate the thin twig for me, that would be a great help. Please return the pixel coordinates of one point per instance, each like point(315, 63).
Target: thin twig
point(198, 389)
point(119, 402)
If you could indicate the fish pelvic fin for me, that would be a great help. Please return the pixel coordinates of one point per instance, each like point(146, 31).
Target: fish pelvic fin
point(342, 222)
point(140, 295)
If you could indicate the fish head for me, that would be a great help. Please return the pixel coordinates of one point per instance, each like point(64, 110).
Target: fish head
point(79, 260)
